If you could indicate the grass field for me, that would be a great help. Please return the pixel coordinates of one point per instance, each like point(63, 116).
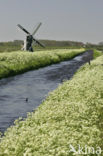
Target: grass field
point(13, 63)
point(72, 114)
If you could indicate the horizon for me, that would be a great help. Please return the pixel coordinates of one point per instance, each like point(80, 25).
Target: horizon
point(53, 40)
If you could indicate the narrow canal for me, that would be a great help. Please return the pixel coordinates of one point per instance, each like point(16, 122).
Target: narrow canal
point(23, 93)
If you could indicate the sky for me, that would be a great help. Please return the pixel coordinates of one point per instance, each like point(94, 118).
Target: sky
point(74, 20)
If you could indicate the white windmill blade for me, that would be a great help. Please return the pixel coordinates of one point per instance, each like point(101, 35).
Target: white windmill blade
point(38, 26)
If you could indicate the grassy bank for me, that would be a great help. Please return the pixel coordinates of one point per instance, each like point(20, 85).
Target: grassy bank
point(97, 53)
point(18, 62)
point(72, 114)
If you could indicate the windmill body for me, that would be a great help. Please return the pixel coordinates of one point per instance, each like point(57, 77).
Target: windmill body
point(28, 43)
point(30, 39)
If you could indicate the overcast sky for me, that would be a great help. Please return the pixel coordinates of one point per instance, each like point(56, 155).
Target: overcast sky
point(76, 20)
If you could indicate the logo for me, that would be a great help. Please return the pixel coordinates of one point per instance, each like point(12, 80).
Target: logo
point(85, 150)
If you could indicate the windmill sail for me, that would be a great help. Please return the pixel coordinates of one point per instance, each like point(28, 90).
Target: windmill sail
point(38, 43)
point(23, 29)
point(36, 29)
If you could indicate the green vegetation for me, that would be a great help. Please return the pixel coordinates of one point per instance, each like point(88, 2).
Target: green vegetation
point(18, 62)
point(94, 46)
point(72, 114)
point(10, 46)
point(16, 45)
point(49, 44)
point(97, 53)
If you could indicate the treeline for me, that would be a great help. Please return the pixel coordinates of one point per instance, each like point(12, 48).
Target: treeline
point(53, 43)
point(10, 46)
point(49, 44)
point(98, 46)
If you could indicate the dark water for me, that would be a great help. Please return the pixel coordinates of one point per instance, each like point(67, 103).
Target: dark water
point(34, 85)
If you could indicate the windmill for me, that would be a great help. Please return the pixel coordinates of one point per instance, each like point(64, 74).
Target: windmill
point(30, 39)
